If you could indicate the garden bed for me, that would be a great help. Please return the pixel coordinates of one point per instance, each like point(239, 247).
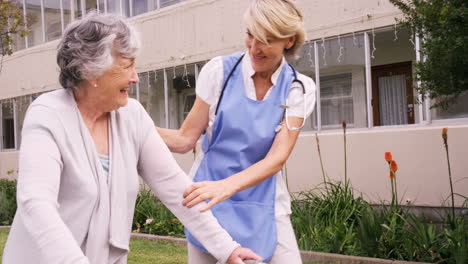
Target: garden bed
point(307, 256)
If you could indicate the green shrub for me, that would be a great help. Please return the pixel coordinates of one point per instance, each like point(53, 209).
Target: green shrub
point(7, 201)
point(454, 245)
point(152, 217)
point(325, 219)
point(333, 220)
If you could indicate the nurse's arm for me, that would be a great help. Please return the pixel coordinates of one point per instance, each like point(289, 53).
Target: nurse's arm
point(184, 139)
point(218, 191)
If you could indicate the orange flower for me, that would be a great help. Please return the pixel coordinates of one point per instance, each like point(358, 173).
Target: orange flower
point(393, 166)
point(392, 175)
point(388, 157)
point(444, 134)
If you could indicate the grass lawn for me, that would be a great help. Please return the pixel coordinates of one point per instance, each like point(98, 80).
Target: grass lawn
point(146, 252)
point(141, 251)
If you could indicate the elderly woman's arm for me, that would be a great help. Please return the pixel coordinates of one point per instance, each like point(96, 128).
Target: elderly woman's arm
point(159, 169)
point(184, 139)
point(40, 168)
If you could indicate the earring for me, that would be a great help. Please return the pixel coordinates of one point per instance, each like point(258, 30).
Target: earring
point(95, 85)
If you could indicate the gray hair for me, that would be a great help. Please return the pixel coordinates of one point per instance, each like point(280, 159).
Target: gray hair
point(88, 47)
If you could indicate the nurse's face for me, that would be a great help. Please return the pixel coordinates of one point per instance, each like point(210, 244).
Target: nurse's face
point(266, 57)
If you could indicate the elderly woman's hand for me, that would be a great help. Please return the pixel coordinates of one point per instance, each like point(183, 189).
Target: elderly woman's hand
point(240, 254)
point(215, 191)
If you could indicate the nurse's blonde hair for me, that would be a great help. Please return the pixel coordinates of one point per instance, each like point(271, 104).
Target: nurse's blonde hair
point(278, 18)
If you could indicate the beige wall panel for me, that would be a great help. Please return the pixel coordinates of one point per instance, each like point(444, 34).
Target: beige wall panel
point(9, 165)
point(30, 71)
point(422, 176)
point(334, 17)
point(190, 32)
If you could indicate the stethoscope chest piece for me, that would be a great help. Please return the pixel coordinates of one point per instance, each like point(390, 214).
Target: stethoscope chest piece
point(278, 127)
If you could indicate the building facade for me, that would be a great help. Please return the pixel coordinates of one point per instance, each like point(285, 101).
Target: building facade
point(361, 60)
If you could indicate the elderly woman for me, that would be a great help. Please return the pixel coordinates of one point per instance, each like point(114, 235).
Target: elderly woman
point(252, 106)
point(83, 149)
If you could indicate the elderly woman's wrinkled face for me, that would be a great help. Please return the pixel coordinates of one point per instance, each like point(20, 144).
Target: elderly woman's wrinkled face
point(266, 58)
point(114, 84)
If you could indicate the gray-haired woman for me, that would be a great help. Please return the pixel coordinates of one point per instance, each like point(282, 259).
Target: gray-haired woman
point(82, 151)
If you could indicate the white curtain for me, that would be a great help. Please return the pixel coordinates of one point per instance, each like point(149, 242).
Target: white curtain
point(393, 101)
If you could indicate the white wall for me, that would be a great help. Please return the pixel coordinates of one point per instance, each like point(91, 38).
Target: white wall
point(9, 164)
point(422, 175)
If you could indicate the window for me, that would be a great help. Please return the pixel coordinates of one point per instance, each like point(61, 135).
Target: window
point(342, 82)
point(143, 6)
point(8, 125)
point(125, 8)
point(22, 104)
point(155, 102)
point(164, 3)
point(33, 12)
point(112, 6)
point(188, 99)
point(393, 102)
point(305, 64)
point(19, 42)
point(336, 100)
point(68, 12)
point(393, 93)
point(180, 82)
point(90, 5)
point(52, 18)
point(458, 109)
point(143, 88)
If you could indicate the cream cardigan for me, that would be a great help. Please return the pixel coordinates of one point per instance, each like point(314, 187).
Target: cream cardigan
point(67, 213)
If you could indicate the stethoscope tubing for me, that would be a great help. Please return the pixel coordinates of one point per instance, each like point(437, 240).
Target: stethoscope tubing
point(295, 80)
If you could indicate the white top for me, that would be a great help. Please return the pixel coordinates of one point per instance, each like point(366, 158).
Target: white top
point(209, 85)
point(67, 213)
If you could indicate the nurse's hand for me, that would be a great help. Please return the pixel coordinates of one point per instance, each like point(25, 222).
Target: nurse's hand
point(240, 254)
point(215, 191)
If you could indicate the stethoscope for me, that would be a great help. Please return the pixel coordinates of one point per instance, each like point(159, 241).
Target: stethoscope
point(285, 106)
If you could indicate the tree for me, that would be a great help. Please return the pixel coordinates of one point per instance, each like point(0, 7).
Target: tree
point(12, 23)
point(442, 25)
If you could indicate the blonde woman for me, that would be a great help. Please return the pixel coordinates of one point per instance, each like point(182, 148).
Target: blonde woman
point(241, 103)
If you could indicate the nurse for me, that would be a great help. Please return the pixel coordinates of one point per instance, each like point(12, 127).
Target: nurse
point(252, 106)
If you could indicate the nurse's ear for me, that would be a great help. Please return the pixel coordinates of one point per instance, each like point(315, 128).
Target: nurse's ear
point(290, 42)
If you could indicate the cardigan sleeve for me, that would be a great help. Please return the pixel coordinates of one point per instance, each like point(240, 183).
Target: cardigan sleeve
point(162, 173)
point(40, 168)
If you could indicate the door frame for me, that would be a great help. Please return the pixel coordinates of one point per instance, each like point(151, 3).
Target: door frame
point(390, 70)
